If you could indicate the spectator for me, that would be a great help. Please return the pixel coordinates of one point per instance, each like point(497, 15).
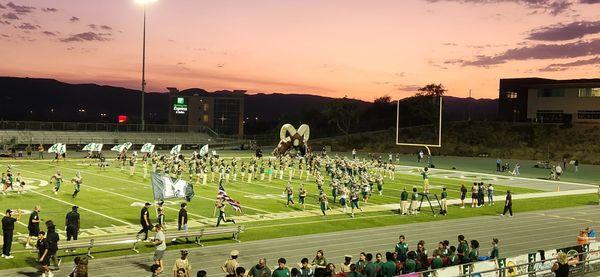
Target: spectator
point(474, 253)
point(421, 248)
point(508, 204)
point(320, 263)
point(591, 233)
point(183, 263)
point(498, 163)
point(295, 272)
point(490, 193)
point(561, 267)
point(495, 253)
point(182, 273)
point(362, 262)
point(329, 270)
point(423, 262)
point(161, 246)
point(156, 270)
point(239, 272)
point(388, 269)
point(354, 269)
point(402, 248)
point(345, 266)
point(582, 238)
point(440, 250)
point(370, 267)
point(231, 264)
point(201, 273)
point(410, 265)
point(260, 269)
point(576, 164)
point(305, 270)
point(52, 238)
point(378, 262)
point(437, 262)
point(453, 259)
point(43, 257)
point(462, 249)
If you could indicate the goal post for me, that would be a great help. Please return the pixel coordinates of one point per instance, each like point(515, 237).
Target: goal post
point(426, 145)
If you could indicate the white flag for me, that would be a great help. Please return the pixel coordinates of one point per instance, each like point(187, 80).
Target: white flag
point(176, 149)
point(147, 148)
point(97, 147)
point(88, 147)
point(55, 148)
point(127, 145)
point(204, 150)
point(63, 149)
point(117, 148)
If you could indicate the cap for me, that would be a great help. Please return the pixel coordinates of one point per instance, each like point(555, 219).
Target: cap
point(147, 204)
point(8, 211)
point(234, 253)
point(348, 256)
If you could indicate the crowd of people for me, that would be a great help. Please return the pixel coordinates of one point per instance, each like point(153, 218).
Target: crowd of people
point(400, 260)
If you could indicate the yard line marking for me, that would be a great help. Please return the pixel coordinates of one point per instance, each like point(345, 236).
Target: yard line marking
point(85, 209)
point(122, 195)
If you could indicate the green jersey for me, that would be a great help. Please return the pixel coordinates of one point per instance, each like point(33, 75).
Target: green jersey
point(414, 196)
point(281, 272)
point(404, 196)
point(425, 175)
point(401, 248)
point(495, 253)
point(474, 255)
point(410, 266)
point(444, 195)
point(437, 263)
point(370, 269)
point(388, 269)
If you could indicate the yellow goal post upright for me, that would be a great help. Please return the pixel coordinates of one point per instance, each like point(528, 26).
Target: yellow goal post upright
point(427, 146)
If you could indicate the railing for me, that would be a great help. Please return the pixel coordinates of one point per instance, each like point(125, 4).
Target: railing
point(100, 127)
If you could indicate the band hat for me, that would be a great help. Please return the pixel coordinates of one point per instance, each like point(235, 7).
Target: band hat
point(234, 253)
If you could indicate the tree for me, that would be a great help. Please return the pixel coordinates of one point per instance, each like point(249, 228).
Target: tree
point(432, 90)
point(343, 114)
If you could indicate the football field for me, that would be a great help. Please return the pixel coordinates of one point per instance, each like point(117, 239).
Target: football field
point(110, 201)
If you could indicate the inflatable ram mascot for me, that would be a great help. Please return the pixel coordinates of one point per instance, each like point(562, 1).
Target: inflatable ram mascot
point(292, 139)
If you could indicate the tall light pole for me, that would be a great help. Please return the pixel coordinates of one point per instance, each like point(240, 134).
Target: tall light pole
point(144, 3)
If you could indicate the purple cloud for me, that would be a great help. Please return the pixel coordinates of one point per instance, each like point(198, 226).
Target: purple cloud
point(48, 33)
point(74, 19)
point(408, 87)
point(93, 26)
point(553, 7)
point(4, 22)
point(20, 9)
point(589, 1)
point(565, 66)
point(28, 26)
point(569, 31)
point(541, 51)
point(106, 27)
point(2, 7)
point(49, 10)
point(10, 16)
point(87, 36)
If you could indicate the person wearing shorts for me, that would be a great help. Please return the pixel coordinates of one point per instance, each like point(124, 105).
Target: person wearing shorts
point(159, 243)
point(43, 256)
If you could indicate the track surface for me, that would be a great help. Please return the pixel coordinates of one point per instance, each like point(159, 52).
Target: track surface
point(523, 233)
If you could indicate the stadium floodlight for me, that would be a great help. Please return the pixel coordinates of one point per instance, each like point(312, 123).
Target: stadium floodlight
point(145, 3)
point(439, 135)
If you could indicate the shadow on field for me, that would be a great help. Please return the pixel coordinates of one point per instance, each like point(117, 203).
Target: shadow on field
point(143, 266)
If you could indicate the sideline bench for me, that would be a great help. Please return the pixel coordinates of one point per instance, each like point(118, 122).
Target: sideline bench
point(88, 244)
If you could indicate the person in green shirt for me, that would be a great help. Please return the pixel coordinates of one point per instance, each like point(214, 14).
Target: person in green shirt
point(281, 270)
point(362, 262)
point(370, 266)
point(378, 263)
point(410, 265)
point(494, 254)
point(474, 253)
point(319, 262)
point(452, 257)
point(401, 248)
point(260, 269)
point(388, 269)
point(354, 271)
point(437, 262)
point(404, 202)
point(444, 196)
point(463, 249)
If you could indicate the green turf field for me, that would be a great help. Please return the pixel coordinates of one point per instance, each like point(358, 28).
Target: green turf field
point(110, 202)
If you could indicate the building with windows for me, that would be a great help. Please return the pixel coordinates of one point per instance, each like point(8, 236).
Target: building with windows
point(221, 111)
point(549, 101)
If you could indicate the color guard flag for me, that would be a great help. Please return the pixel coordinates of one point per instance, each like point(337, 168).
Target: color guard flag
point(204, 150)
point(147, 148)
point(223, 195)
point(176, 149)
point(56, 148)
point(164, 187)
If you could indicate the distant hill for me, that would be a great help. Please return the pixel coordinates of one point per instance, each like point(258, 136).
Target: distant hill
point(52, 100)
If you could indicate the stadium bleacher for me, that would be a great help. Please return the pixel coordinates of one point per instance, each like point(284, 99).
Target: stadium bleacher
point(67, 137)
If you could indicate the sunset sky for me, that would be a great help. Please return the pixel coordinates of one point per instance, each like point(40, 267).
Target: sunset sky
point(359, 48)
